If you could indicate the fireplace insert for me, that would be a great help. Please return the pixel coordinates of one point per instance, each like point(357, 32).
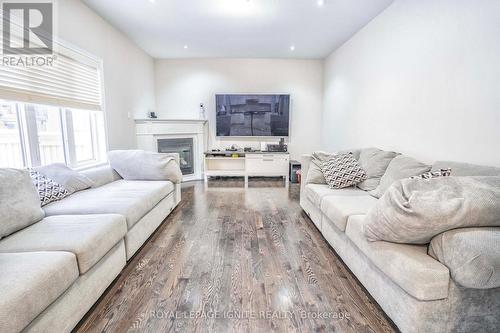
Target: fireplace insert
point(184, 147)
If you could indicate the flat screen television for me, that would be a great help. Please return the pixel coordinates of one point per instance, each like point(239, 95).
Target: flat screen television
point(252, 115)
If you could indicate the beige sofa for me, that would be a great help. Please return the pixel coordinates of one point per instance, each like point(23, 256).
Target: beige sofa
point(414, 289)
point(53, 271)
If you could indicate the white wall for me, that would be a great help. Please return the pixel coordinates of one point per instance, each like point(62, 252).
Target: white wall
point(182, 84)
point(128, 71)
point(422, 78)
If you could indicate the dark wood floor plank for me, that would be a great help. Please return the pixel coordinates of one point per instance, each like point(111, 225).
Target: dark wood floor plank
point(230, 259)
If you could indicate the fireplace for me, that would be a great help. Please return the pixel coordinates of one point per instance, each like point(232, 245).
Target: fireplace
point(184, 147)
point(187, 137)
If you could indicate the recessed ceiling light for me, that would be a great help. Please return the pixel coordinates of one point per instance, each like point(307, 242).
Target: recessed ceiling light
point(292, 48)
point(185, 46)
point(238, 8)
point(152, 1)
point(321, 3)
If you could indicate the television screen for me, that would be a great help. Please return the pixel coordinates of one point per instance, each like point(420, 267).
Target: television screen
point(252, 115)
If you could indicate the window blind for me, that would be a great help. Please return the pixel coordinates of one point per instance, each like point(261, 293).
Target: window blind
point(73, 80)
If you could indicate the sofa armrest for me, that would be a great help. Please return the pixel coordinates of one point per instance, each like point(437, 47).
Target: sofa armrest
point(305, 160)
point(471, 254)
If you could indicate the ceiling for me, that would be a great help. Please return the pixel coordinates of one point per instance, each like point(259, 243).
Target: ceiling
point(239, 28)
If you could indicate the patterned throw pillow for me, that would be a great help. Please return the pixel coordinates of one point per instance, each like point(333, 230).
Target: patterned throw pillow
point(48, 190)
point(342, 170)
point(433, 174)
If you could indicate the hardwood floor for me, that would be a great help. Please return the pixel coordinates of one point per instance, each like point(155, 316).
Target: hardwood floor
point(234, 260)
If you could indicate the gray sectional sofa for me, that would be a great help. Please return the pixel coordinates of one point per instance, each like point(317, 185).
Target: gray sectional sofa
point(54, 270)
point(414, 289)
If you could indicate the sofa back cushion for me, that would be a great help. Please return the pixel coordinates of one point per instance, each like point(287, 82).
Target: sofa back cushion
point(145, 165)
point(19, 201)
point(465, 169)
point(471, 254)
point(401, 167)
point(374, 161)
point(101, 175)
point(314, 173)
point(71, 180)
point(415, 210)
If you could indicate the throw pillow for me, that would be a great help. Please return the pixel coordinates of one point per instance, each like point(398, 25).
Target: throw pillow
point(145, 165)
point(342, 170)
point(399, 168)
point(71, 180)
point(374, 161)
point(48, 190)
point(314, 173)
point(413, 211)
point(433, 174)
point(19, 202)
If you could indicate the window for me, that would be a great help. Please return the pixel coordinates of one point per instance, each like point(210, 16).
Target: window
point(11, 153)
point(49, 134)
point(51, 114)
point(33, 135)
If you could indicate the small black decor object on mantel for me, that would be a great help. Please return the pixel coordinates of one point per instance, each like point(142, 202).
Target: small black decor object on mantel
point(152, 115)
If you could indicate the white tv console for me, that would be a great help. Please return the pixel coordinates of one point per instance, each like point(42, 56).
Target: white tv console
point(247, 164)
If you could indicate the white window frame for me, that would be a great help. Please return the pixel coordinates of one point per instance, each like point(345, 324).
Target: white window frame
point(29, 139)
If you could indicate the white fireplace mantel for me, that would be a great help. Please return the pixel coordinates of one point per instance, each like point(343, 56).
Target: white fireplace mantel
point(149, 131)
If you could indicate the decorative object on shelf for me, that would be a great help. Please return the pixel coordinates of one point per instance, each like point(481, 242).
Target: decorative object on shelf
point(277, 147)
point(202, 111)
point(232, 148)
point(152, 115)
point(295, 166)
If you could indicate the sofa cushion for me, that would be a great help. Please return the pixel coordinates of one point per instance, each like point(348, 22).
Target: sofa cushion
point(315, 192)
point(374, 161)
point(314, 173)
point(71, 180)
point(416, 210)
point(145, 165)
point(465, 169)
point(130, 198)
point(407, 265)
point(400, 167)
point(471, 254)
point(101, 175)
point(19, 201)
point(339, 208)
point(89, 237)
point(30, 282)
